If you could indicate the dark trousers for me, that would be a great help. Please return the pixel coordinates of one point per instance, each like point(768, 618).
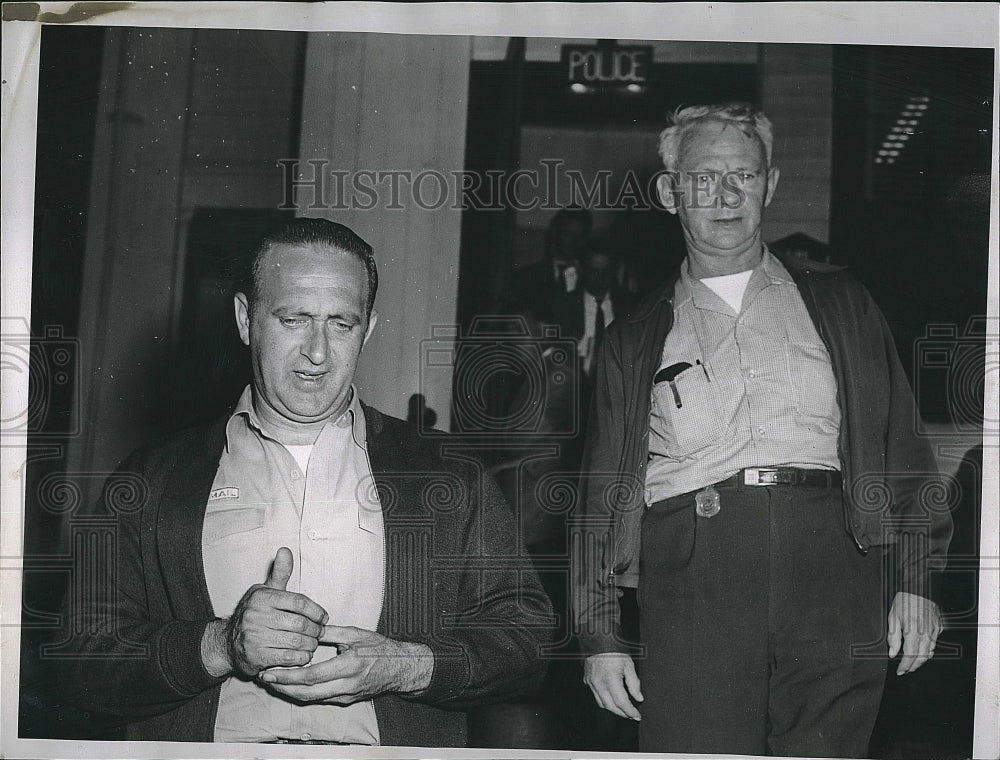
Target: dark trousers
point(761, 625)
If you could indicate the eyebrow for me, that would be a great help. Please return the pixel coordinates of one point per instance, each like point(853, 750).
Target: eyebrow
point(741, 168)
point(281, 311)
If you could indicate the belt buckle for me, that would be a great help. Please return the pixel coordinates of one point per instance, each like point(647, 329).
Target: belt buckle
point(760, 476)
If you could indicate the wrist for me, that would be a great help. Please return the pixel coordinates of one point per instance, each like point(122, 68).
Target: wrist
point(215, 651)
point(416, 668)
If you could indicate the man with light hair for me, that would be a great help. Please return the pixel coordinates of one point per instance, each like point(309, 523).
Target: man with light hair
point(745, 417)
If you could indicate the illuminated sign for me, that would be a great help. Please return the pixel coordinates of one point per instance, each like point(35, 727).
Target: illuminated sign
point(607, 66)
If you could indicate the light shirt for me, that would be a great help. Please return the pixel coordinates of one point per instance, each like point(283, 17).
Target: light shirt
point(730, 287)
point(586, 343)
point(760, 390)
point(329, 515)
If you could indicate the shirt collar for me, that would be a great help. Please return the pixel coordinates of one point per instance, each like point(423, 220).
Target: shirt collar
point(770, 269)
point(354, 416)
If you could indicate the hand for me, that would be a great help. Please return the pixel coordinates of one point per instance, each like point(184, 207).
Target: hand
point(270, 626)
point(366, 664)
point(609, 675)
point(916, 623)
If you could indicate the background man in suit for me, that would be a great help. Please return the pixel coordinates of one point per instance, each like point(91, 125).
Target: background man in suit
point(747, 414)
point(586, 312)
point(559, 271)
point(281, 581)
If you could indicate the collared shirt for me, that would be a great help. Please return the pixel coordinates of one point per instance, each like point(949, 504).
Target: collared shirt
point(586, 343)
point(759, 390)
point(330, 518)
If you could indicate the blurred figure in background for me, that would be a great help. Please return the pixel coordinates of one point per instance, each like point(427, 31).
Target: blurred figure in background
point(586, 312)
point(559, 270)
point(538, 476)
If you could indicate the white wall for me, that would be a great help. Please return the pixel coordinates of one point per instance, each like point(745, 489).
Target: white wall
point(387, 102)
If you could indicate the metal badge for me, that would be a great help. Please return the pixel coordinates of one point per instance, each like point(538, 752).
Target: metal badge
point(707, 502)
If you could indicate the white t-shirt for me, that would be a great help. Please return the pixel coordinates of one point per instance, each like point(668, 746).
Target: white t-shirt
point(730, 287)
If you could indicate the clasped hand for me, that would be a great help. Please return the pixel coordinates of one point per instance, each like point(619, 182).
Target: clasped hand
point(270, 626)
point(366, 664)
point(273, 635)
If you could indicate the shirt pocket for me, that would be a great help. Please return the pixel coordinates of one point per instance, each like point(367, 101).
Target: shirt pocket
point(812, 378)
point(234, 552)
point(696, 422)
point(234, 525)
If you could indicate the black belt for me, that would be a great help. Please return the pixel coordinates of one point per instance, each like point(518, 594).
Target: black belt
point(781, 476)
point(305, 741)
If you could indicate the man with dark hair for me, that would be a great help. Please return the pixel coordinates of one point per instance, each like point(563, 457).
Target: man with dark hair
point(313, 232)
point(306, 569)
point(559, 271)
point(586, 312)
point(752, 461)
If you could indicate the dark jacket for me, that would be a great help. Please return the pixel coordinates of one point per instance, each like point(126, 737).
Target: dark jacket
point(890, 475)
point(454, 581)
point(568, 309)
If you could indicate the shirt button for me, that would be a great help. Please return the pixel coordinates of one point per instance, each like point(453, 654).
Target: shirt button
point(740, 321)
point(313, 534)
point(760, 431)
point(296, 474)
point(751, 374)
point(306, 737)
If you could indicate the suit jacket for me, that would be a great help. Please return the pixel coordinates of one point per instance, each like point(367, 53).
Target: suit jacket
point(890, 475)
point(537, 285)
point(134, 641)
point(568, 309)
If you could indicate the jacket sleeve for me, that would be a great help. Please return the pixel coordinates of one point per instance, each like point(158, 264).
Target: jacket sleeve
point(919, 524)
point(599, 523)
point(491, 628)
point(116, 657)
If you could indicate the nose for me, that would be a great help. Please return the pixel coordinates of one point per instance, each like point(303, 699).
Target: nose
point(315, 347)
point(730, 193)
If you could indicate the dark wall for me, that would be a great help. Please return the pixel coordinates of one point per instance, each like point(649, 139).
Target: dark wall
point(69, 83)
point(916, 230)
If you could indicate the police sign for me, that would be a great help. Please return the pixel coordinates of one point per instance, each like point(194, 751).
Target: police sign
point(607, 65)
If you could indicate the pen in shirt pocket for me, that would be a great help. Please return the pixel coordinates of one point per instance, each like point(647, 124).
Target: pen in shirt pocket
point(703, 369)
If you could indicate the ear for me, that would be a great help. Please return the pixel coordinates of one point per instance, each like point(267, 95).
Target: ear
point(772, 182)
point(371, 327)
point(242, 317)
point(665, 191)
